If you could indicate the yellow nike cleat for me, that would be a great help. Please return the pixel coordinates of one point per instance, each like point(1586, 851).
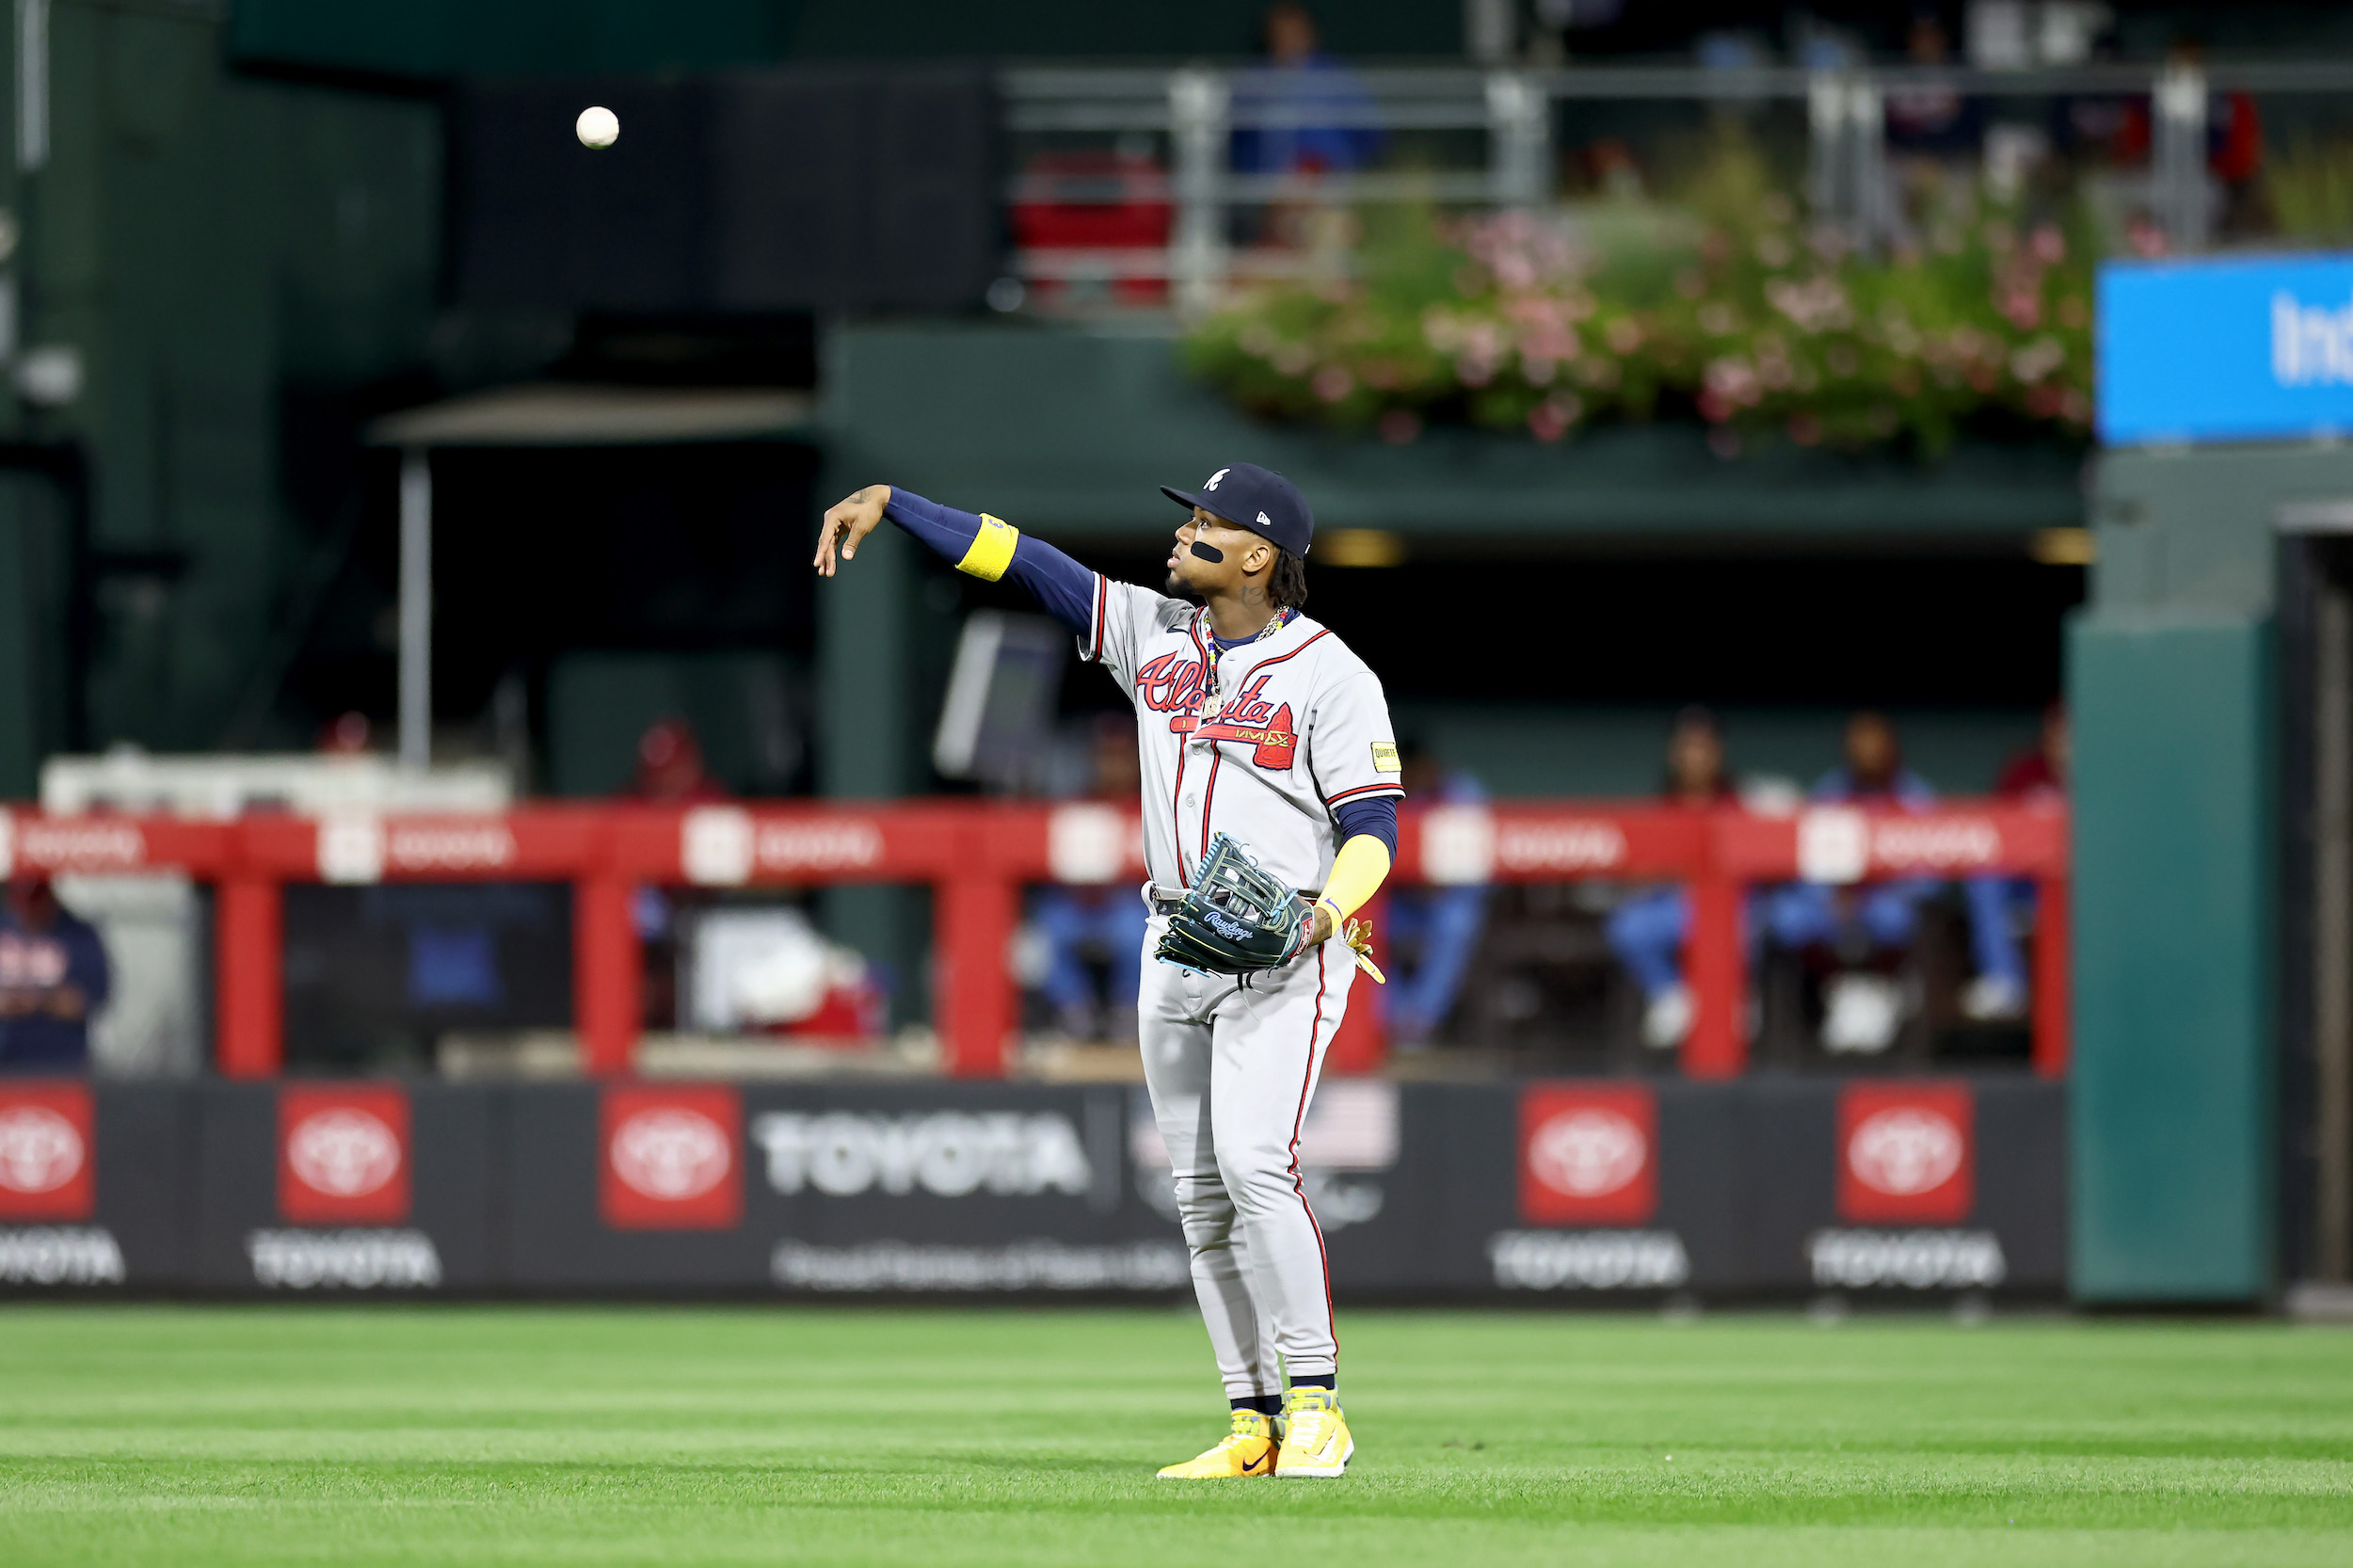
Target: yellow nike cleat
point(1246, 1450)
point(1315, 1443)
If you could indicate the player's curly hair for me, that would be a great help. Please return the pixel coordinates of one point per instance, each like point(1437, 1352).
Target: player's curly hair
point(1287, 584)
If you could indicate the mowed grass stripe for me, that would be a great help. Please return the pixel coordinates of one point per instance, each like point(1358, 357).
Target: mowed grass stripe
point(524, 1435)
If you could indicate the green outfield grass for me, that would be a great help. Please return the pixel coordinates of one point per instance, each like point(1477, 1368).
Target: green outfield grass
point(478, 1435)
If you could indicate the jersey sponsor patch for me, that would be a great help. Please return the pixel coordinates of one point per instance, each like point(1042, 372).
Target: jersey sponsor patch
point(1385, 757)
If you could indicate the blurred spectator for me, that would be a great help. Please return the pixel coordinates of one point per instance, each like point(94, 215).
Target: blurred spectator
point(1085, 928)
point(1938, 123)
point(2001, 907)
point(346, 736)
point(1609, 168)
point(1865, 930)
point(1648, 931)
point(1431, 931)
point(2234, 143)
point(670, 766)
point(1306, 91)
point(52, 976)
point(2039, 774)
point(669, 773)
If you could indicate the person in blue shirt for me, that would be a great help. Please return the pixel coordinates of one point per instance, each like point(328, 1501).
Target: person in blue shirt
point(1866, 928)
point(1321, 106)
point(2000, 906)
point(1084, 926)
point(1649, 930)
point(1433, 931)
point(52, 977)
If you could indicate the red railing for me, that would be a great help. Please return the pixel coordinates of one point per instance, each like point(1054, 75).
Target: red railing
point(977, 857)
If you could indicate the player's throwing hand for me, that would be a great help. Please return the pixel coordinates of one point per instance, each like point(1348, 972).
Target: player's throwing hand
point(848, 522)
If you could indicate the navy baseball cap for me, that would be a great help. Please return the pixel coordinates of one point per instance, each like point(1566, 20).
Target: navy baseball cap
point(1255, 497)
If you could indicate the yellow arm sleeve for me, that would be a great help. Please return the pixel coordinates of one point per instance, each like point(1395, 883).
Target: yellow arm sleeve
point(992, 549)
point(1357, 874)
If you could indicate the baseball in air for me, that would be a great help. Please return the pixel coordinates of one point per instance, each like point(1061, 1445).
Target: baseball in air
point(598, 126)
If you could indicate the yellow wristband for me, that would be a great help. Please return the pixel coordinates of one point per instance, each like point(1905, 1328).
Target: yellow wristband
point(992, 549)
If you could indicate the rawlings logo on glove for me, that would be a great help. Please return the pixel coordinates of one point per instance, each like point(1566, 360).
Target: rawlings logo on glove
point(1235, 919)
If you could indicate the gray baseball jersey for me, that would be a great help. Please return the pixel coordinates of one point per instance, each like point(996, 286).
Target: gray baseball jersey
point(1263, 742)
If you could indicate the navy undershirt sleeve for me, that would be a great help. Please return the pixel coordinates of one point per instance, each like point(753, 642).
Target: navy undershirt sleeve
point(1060, 586)
point(1377, 816)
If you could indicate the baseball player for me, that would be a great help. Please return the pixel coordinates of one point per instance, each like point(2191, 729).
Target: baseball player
point(1270, 782)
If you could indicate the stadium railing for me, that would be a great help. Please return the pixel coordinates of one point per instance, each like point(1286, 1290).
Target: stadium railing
point(1152, 223)
point(978, 856)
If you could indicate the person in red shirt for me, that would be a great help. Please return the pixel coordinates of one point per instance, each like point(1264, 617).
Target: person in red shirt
point(670, 771)
point(670, 766)
point(2040, 773)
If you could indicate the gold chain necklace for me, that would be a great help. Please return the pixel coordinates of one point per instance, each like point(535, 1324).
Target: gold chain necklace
point(1208, 679)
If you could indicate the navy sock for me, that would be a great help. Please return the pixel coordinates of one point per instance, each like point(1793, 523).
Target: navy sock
point(1265, 1405)
point(1316, 1380)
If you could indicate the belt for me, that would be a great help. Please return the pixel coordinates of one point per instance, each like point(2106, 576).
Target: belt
point(1162, 901)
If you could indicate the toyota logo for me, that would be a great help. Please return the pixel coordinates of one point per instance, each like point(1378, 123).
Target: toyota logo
point(343, 1153)
point(671, 1154)
point(39, 1150)
point(1905, 1150)
point(1588, 1153)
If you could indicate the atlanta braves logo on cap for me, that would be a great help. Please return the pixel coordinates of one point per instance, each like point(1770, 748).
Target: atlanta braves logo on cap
point(1255, 497)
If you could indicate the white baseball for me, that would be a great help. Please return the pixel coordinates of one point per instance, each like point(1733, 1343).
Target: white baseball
point(598, 126)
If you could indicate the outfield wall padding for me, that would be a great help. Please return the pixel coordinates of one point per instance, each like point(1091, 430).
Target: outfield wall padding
point(1771, 1186)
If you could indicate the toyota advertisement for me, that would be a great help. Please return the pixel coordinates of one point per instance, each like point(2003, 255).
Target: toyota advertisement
point(1569, 1191)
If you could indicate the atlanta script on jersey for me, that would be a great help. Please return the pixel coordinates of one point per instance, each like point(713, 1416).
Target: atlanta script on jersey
point(1295, 728)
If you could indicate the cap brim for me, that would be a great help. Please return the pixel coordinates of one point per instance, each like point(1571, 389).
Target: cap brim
point(1187, 498)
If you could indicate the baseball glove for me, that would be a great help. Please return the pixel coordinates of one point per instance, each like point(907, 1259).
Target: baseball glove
point(1235, 919)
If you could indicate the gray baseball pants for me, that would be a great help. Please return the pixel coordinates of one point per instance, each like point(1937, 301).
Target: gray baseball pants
point(1231, 1067)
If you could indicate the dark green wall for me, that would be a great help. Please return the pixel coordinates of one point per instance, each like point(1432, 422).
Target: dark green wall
point(1061, 427)
point(220, 248)
point(441, 38)
point(2172, 681)
point(32, 581)
point(2174, 1054)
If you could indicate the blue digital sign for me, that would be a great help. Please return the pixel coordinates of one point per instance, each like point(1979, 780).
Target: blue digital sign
point(2239, 350)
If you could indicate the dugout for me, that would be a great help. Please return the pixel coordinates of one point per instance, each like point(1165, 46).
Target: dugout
point(559, 502)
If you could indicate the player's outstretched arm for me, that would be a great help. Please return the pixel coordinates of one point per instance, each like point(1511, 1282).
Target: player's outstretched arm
point(981, 546)
point(847, 521)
